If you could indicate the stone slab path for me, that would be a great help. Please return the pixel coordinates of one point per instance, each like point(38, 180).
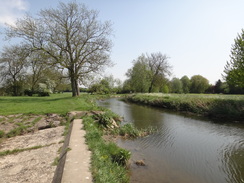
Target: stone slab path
point(77, 163)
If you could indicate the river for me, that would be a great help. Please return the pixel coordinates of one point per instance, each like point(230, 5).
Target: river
point(184, 149)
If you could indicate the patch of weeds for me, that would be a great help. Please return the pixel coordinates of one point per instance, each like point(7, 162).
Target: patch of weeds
point(11, 120)
point(56, 161)
point(107, 119)
point(108, 159)
point(118, 155)
point(17, 131)
point(8, 152)
point(36, 120)
point(68, 149)
point(67, 126)
point(129, 130)
point(2, 133)
point(14, 151)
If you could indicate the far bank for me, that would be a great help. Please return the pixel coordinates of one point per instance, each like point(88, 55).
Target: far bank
point(230, 107)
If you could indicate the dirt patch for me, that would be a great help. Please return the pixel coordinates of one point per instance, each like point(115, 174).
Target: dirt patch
point(34, 165)
point(29, 123)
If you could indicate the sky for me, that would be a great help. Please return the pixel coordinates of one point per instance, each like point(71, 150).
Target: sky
point(196, 35)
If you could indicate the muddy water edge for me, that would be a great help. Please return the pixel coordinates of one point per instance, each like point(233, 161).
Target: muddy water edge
point(185, 149)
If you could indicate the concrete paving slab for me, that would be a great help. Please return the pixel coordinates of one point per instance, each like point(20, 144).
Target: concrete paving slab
point(77, 163)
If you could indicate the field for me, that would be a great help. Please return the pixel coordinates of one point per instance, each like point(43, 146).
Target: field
point(56, 103)
point(214, 106)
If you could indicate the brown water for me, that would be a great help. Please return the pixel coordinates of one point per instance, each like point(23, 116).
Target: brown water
point(184, 150)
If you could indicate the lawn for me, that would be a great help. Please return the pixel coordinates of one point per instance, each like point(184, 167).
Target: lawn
point(56, 103)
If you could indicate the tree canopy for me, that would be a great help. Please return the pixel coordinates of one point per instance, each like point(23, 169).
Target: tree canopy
point(199, 84)
point(71, 35)
point(234, 69)
point(148, 72)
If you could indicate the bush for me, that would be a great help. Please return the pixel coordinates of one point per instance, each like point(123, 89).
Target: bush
point(107, 119)
point(118, 155)
point(129, 130)
point(43, 94)
point(28, 92)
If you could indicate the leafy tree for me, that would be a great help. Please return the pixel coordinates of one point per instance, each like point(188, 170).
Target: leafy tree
point(71, 35)
point(139, 75)
point(234, 69)
point(219, 87)
point(176, 85)
point(13, 68)
point(186, 84)
point(159, 67)
point(148, 72)
point(199, 84)
point(101, 87)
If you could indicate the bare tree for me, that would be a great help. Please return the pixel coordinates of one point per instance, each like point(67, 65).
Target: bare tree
point(159, 67)
point(71, 35)
point(12, 66)
point(37, 69)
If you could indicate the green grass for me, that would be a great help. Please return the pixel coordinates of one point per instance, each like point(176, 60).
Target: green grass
point(56, 103)
point(14, 151)
point(215, 106)
point(108, 160)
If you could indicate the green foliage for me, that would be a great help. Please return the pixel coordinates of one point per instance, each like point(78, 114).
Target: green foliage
point(176, 86)
point(186, 84)
point(234, 69)
point(215, 106)
point(17, 131)
point(2, 133)
point(199, 84)
point(14, 151)
point(139, 75)
point(107, 158)
point(148, 73)
point(119, 156)
point(129, 130)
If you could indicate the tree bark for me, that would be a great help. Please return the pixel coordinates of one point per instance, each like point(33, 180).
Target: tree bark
point(74, 84)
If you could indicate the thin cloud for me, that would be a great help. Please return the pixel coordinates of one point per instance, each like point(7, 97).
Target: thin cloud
point(10, 10)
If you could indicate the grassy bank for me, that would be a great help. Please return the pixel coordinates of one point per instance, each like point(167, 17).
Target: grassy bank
point(214, 106)
point(108, 160)
point(56, 103)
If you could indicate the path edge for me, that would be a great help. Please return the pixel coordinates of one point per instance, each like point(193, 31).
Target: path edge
point(57, 178)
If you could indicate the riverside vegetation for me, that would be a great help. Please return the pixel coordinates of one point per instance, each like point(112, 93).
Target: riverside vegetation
point(215, 106)
point(109, 162)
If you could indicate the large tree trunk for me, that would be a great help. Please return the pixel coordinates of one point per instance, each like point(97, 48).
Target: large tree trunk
point(74, 84)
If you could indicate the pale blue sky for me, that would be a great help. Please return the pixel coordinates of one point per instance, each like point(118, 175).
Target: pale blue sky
point(196, 35)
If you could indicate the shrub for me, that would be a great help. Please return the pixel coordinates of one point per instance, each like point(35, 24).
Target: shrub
point(43, 94)
point(118, 155)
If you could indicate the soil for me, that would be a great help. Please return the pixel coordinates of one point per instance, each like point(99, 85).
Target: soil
point(36, 165)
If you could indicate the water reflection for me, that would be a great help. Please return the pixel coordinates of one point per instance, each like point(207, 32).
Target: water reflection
point(184, 149)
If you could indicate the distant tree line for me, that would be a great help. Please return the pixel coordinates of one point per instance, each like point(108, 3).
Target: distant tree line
point(63, 48)
point(151, 72)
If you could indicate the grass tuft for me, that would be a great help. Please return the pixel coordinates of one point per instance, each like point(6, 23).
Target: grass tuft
point(108, 160)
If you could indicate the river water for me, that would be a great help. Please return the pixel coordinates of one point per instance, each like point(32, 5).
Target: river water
point(184, 149)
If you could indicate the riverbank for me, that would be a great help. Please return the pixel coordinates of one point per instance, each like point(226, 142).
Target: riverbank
point(213, 106)
point(23, 117)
